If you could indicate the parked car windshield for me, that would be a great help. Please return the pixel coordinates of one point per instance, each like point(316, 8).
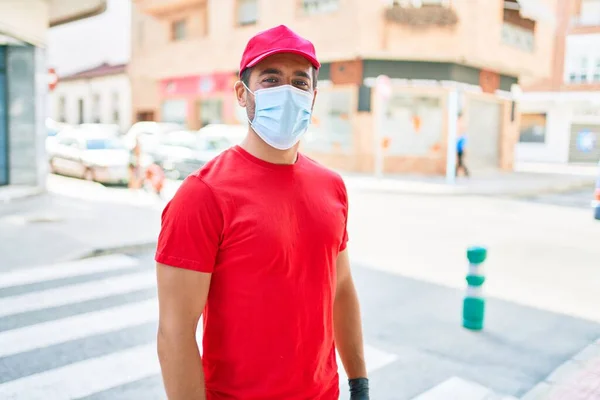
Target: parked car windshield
point(104, 144)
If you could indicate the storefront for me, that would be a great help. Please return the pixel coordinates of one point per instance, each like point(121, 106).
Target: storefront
point(559, 128)
point(196, 101)
point(414, 122)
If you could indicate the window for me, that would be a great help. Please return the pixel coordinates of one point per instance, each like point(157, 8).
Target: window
point(247, 12)
point(115, 108)
point(590, 13)
point(583, 70)
point(179, 30)
point(596, 77)
point(96, 108)
point(533, 128)
point(210, 111)
point(319, 6)
point(140, 34)
point(62, 109)
point(80, 111)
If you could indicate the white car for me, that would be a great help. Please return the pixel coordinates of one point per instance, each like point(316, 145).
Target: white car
point(149, 132)
point(92, 155)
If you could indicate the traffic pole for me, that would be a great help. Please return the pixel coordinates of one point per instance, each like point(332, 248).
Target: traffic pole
point(474, 302)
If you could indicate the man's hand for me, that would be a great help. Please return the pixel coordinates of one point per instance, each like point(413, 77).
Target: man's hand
point(359, 389)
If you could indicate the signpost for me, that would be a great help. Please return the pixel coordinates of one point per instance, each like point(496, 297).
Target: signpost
point(383, 92)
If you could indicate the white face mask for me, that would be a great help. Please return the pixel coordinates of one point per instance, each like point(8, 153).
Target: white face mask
point(282, 115)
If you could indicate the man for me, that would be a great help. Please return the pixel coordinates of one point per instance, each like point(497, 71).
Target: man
point(256, 242)
point(461, 142)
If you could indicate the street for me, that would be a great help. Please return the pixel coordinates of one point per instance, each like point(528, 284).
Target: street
point(87, 328)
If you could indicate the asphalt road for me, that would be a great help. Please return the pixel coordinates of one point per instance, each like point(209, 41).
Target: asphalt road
point(575, 199)
point(87, 331)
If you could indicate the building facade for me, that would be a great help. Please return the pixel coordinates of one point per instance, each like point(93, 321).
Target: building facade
point(24, 83)
point(561, 115)
point(97, 95)
point(185, 55)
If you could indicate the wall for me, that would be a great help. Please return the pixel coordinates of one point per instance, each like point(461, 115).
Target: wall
point(85, 89)
point(555, 149)
point(26, 20)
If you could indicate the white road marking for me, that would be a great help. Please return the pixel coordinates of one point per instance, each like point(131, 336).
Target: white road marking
point(76, 293)
point(374, 358)
point(86, 377)
point(77, 327)
point(456, 388)
point(66, 270)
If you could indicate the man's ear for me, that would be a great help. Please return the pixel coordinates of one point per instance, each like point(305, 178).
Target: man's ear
point(315, 92)
point(240, 93)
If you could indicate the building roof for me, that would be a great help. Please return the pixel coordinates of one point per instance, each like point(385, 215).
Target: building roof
point(101, 70)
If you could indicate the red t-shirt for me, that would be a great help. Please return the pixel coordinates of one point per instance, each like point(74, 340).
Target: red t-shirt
point(270, 235)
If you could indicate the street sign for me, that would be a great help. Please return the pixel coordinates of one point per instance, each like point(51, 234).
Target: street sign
point(52, 79)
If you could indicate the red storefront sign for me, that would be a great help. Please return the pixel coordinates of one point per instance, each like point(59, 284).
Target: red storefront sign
point(199, 85)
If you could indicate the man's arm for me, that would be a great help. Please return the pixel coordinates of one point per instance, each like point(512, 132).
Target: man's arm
point(347, 321)
point(182, 295)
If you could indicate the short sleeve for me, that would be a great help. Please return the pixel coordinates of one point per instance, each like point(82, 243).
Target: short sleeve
point(191, 228)
point(344, 242)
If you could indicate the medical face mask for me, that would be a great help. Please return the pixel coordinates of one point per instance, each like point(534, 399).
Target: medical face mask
point(282, 115)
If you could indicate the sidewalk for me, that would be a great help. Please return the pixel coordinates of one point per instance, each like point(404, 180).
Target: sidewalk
point(577, 379)
point(52, 228)
point(493, 183)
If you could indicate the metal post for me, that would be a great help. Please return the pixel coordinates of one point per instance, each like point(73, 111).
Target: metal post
point(452, 135)
point(474, 302)
point(377, 134)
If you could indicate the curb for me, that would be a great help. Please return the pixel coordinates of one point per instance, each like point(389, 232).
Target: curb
point(104, 251)
point(25, 194)
point(565, 372)
point(461, 191)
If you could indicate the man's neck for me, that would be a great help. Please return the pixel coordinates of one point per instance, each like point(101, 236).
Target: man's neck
point(254, 145)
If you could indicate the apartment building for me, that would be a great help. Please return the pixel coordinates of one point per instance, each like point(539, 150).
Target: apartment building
point(24, 82)
point(185, 55)
point(561, 115)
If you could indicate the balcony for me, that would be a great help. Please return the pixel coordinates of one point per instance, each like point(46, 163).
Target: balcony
point(158, 8)
point(418, 15)
point(65, 11)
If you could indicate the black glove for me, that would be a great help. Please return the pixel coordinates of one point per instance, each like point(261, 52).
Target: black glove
point(359, 389)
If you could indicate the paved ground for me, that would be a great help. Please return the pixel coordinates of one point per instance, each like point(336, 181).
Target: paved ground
point(87, 330)
point(81, 321)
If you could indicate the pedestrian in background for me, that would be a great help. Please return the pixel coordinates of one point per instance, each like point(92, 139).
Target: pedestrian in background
point(461, 144)
point(135, 156)
point(255, 241)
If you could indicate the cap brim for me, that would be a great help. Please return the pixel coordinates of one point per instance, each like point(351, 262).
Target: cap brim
point(306, 55)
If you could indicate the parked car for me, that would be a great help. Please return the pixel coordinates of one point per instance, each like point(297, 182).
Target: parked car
point(148, 133)
point(596, 201)
point(185, 152)
point(53, 128)
point(92, 154)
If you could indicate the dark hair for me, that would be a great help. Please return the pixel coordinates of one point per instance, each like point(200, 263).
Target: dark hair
point(245, 77)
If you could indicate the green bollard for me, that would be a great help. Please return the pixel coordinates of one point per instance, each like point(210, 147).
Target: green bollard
point(474, 303)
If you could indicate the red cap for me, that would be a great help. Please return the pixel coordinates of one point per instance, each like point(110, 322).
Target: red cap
point(277, 40)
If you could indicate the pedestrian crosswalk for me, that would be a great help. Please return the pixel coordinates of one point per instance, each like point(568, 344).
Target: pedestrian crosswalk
point(85, 329)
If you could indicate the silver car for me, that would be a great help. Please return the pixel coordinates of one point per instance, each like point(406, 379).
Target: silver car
point(93, 155)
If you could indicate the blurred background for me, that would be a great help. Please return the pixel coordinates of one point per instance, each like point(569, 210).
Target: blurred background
point(453, 123)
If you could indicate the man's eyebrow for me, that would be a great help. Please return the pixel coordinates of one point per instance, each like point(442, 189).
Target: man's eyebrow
point(270, 71)
point(302, 74)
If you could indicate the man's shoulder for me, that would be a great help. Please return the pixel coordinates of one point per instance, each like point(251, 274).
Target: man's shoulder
point(316, 169)
point(217, 171)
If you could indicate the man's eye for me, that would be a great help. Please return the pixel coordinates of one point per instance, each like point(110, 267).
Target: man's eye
point(270, 80)
point(301, 83)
